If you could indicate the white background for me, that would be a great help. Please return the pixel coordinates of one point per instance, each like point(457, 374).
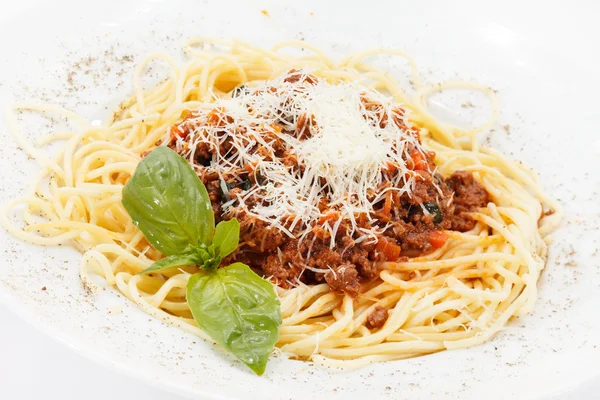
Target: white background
point(34, 366)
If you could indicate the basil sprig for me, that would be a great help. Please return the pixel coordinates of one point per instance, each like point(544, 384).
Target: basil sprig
point(237, 308)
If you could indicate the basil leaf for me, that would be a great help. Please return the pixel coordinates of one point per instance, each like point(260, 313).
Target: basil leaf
point(434, 209)
point(239, 310)
point(227, 236)
point(192, 258)
point(168, 202)
point(247, 184)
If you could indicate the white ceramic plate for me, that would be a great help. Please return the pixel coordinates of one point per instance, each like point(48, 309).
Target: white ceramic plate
point(540, 58)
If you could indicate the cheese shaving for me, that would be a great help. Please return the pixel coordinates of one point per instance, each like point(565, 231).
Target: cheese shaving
point(337, 141)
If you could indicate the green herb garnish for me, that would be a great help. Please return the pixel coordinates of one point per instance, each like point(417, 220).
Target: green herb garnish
point(434, 209)
point(247, 184)
point(239, 310)
point(236, 307)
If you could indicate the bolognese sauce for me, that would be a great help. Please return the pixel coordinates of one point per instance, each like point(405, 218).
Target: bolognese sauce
point(407, 223)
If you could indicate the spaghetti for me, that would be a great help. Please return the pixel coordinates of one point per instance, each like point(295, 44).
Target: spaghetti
point(454, 296)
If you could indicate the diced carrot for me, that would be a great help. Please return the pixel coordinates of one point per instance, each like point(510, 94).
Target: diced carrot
point(390, 251)
point(330, 217)
point(362, 219)
point(321, 233)
point(216, 117)
point(175, 132)
point(437, 239)
point(276, 127)
point(419, 161)
point(249, 168)
point(391, 168)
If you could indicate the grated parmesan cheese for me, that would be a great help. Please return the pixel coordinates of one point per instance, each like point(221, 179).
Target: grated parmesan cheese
point(351, 138)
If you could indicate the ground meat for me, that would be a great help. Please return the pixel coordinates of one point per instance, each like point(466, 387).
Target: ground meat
point(360, 258)
point(410, 224)
point(377, 318)
point(469, 195)
point(344, 278)
point(423, 191)
point(258, 236)
point(410, 228)
point(304, 127)
point(416, 240)
point(283, 274)
point(295, 76)
point(284, 260)
point(203, 155)
point(214, 191)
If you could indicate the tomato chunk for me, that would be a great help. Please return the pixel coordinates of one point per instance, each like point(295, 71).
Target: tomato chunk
point(390, 251)
point(175, 132)
point(437, 239)
point(419, 160)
